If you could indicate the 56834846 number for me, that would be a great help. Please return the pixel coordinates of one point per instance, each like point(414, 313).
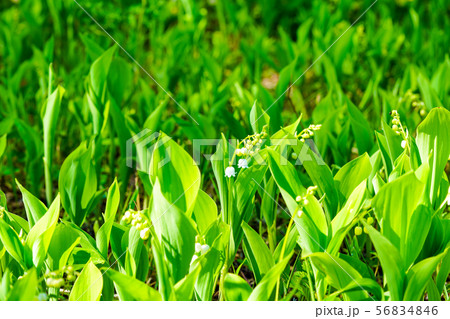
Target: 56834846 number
point(405, 310)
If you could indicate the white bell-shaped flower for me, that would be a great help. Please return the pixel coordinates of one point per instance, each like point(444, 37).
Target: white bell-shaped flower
point(230, 171)
point(242, 163)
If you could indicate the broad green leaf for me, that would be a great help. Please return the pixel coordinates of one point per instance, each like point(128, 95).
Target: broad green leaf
point(34, 208)
point(360, 127)
point(395, 214)
point(384, 149)
point(320, 175)
point(175, 233)
point(78, 184)
point(165, 281)
point(312, 225)
point(184, 289)
point(42, 231)
point(177, 173)
point(99, 72)
point(210, 264)
point(50, 114)
point(205, 211)
point(366, 284)
point(352, 174)
point(419, 275)
point(339, 273)
point(63, 242)
point(25, 288)
point(258, 118)
point(418, 227)
point(393, 141)
point(88, 286)
point(12, 243)
point(112, 204)
point(346, 218)
point(263, 291)
point(391, 263)
point(236, 288)
point(131, 289)
point(433, 137)
point(256, 251)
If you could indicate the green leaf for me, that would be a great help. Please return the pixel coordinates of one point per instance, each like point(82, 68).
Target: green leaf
point(263, 291)
point(391, 263)
point(258, 118)
point(175, 233)
point(112, 204)
point(339, 274)
point(42, 233)
point(236, 288)
point(256, 251)
point(99, 72)
point(34, 208)
point(210, 264)
point(395, 215)
point(88, 286)
point(131, 289)
point(320, 175)
point(177, 173)
point(184, 289)
point(12, 243)
point(2, 144)
point(357, 285)
point(393, 141)
point(360, 127)
point(165, 281)
point(25, 289)
point(78, 184)
point(64, 240)
point(205, 211)
point(419, 275)
point(352, 174)
point(50, 114)
point(346, 218)
point(433, 137)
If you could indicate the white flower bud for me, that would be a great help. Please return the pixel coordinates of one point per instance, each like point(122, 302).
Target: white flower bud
point(204, 248)
point(145, 233)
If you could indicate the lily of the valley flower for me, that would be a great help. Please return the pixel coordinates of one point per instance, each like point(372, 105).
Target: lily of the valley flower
point(204, 248)
point(230, 171)
point(242, 163)
point(145, 233)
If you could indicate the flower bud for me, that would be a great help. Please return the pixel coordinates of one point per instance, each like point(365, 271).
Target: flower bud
point(204, 249)
point(145, 233)
point(358, 231)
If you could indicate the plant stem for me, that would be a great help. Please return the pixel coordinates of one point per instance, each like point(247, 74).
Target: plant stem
point(283, 248)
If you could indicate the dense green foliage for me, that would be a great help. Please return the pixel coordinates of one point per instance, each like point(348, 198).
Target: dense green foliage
point(337, 190)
